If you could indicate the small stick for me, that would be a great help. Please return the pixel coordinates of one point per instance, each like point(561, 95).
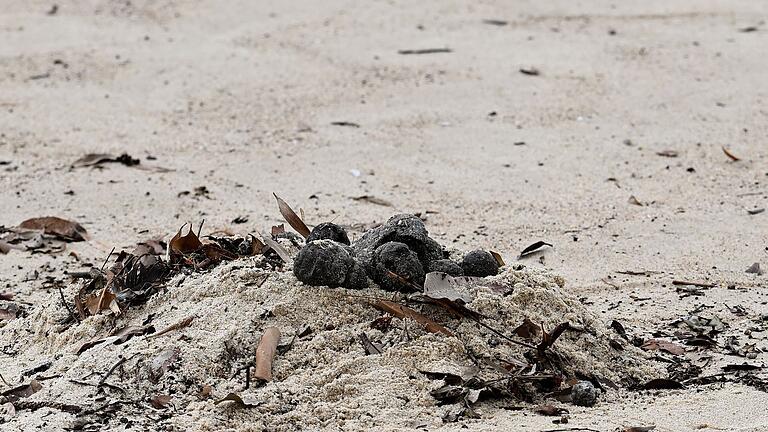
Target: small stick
point(697, 284)
point(107, 260)
point(112, 369)
point(176, 326)
point(64, 301)
point(265, 353)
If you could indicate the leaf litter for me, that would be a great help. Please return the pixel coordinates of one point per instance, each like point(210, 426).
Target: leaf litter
point(522, 336)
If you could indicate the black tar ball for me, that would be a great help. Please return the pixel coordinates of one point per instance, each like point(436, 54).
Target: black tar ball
point(479, 263)
point(446, 266)
point(397, 258)
point(323, 262)
point(328, 231)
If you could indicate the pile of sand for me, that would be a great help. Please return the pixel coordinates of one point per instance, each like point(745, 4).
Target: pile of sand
point(323, 377)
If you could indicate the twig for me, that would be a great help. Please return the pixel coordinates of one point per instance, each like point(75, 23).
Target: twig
point(107, 260)
point(35, 405)
point(697, 284)
point(176, 326)
point(4, 381)
point(64, 301)
point(265, 353)
point(113, 368)
point(571, 429)
point(547, 339)
point(200, 229)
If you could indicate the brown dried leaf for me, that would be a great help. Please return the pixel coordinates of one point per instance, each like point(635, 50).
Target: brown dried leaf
point(160, 401)
point(96, 303)
point(291, 217)
point(550, 410)
point(662, 345)
point(730, 155)
point(239, 402)
point(527, 330)
point(403, 312)
point(498, 258)
point(61, 228)
point(184, 244)
point(22, 391)
point(634, 201)
point(175, 326)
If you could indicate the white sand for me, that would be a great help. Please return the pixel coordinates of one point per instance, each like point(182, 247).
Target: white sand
point(239, 98)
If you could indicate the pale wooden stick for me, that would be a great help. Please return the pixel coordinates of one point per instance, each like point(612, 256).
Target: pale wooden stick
point(265, 353)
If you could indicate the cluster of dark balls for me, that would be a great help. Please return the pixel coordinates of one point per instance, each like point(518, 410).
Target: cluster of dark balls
point(396, 255)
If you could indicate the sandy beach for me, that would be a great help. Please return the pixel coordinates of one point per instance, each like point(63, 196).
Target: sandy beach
point(596, 126)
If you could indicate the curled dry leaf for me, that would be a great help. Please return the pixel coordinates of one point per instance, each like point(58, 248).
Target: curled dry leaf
point(291, 217)
point(534, 248)
point(498, 258)
point(184, 244)
point(634, 201)
point(403, 312)
point(265, 353)
point(62, 228)
point(278, 248)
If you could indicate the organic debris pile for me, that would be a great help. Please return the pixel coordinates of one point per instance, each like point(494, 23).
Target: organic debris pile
point(243, 332)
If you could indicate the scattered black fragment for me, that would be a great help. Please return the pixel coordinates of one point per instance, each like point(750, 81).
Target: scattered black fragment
point(534, 248)
point(756, 211)
point(53, 10)
point(755, 269)
point(479, 263)
point(329, 231)
point(748, 29)
point(345, 123)
point(368, 346)
point(496, 22)
point(662, 384)
point(240, 220)
point(425, 51)
point(744, 367)
point(531, 71)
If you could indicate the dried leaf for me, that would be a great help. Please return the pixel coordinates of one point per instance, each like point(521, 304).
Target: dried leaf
point(118, 337)
point(368, 346)
point(62, 228)
point(755, 269)
point(278, 248)
point(730, 155)
point(403, 312)
point(7, 296)
point(22, 391)
point(662, 345)
point(373, 200)
point(634, 201)
point(534, 248)
point(639, 428)
point(94, 159)
point(527, 330)
point(160, 363)
point(550, 410)
point(106, 300)
point(239, 402)
point(160, 401)
point(184, 244)
point(291, 217)
point(498, 258)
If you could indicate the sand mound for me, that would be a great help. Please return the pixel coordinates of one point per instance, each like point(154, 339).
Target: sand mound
point(323, 377)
